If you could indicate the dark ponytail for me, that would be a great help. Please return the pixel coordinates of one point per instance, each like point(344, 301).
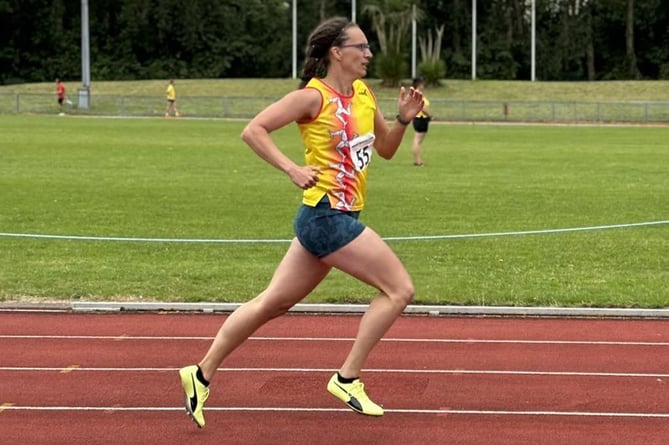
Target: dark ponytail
point(327, 34)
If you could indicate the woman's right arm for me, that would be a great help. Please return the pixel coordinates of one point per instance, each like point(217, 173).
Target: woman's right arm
point(296, 106)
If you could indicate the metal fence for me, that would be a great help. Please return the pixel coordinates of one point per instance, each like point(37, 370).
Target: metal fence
point(443, 110)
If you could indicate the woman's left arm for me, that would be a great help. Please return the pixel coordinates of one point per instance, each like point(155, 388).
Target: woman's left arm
point(389, 138)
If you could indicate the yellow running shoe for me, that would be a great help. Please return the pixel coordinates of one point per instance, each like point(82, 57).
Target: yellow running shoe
point(195, 394)
point(353, 394)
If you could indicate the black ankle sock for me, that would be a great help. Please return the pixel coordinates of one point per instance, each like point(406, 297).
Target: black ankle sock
point(344, 379)
point(200, 377)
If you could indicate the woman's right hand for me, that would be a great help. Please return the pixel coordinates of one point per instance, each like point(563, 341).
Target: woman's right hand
point(304, 177)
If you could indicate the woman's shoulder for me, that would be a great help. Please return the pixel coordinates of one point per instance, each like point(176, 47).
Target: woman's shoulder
point(362, 88)
point(308, 100)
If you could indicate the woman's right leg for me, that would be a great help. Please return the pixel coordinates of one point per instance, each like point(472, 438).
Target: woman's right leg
point(296, 276)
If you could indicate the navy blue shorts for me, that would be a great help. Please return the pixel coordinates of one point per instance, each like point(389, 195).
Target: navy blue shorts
point(322, 230)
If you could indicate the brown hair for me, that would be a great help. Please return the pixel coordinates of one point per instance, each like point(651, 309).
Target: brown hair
point(327, 34)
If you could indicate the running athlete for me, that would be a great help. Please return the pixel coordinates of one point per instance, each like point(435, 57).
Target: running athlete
point(60, 94)
point(341, 127)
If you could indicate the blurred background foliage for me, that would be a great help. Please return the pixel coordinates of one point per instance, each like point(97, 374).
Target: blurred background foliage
point(158, 39)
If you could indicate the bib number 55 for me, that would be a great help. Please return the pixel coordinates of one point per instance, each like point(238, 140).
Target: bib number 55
point(361, 151)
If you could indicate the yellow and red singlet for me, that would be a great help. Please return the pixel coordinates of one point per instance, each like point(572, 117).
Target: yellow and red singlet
point(340, 141)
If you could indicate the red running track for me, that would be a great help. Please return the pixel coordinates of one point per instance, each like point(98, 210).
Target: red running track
point(111, 379)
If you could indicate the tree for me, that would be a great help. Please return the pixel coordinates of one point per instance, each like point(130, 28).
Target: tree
point(501, 34)
point(589, 43)
point(432, 67)
point(148, 39)
point(632, 68)
point(390, 21)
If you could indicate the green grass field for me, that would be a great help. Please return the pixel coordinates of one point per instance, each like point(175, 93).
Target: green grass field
point(601, 91)
point(195, 179)
point(454, 101)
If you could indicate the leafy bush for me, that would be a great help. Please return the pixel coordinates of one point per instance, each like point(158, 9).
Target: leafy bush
point(391, 68)
point(664, 71)
point(432, 71)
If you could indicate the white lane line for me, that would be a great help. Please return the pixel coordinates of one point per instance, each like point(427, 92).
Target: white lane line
point(381, 371)
point(337, 410)
point(340, 339)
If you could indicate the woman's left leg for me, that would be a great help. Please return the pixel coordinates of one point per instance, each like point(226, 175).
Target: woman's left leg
point(369, 259)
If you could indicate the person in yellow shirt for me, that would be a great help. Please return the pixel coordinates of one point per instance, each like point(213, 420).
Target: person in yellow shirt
point(420, 125)
point(342, 129)
point(171, 100)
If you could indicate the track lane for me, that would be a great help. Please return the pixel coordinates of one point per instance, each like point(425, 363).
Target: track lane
point(235, 389)
point(467, 408)
point(344, 326)
point(308, 428)
point(125, 352)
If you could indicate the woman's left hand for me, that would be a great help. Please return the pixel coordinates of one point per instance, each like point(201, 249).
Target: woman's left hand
point(410, 103)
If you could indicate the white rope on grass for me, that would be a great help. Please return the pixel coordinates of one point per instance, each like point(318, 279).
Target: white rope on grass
point(390, 238)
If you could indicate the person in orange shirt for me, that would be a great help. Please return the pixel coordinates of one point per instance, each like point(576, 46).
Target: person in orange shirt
point(60, 94)
point(342, 128)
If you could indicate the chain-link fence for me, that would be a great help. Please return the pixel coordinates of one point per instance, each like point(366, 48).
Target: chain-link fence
point(443, 110)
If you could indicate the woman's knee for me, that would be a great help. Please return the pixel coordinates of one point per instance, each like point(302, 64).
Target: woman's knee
point(271, 307)
point(403, 294)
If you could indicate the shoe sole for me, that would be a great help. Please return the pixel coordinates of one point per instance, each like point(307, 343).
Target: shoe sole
point(346, 399)
point(187, 406)
point(189, 413)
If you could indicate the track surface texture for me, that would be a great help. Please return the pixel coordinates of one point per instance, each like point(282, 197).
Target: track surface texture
point(92, 378)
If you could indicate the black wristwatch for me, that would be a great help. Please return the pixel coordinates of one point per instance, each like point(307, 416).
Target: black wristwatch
point(402, 121)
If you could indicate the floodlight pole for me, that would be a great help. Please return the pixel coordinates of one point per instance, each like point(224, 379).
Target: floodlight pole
point(534, 39)
point(473, 39)
point(294, 39)
point(353, 11)
point(413, 42)
point(84, 91)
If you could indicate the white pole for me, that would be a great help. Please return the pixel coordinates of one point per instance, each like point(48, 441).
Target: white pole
point(413, 43)
point(84, 91)
point(473, 39)
point(85, 47)
point(534, 39)
point(294, 39)
point(353, 10)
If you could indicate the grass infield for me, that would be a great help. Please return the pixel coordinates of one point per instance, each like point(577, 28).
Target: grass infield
point(195, 179)
point(470, 90)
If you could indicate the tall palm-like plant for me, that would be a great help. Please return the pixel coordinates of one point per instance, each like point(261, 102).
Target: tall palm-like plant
point(432, 68)
point(391, 20)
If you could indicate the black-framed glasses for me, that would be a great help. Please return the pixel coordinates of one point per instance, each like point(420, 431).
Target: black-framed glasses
point(361, 46)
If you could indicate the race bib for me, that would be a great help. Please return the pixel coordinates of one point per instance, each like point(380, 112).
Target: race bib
point(361, 150)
